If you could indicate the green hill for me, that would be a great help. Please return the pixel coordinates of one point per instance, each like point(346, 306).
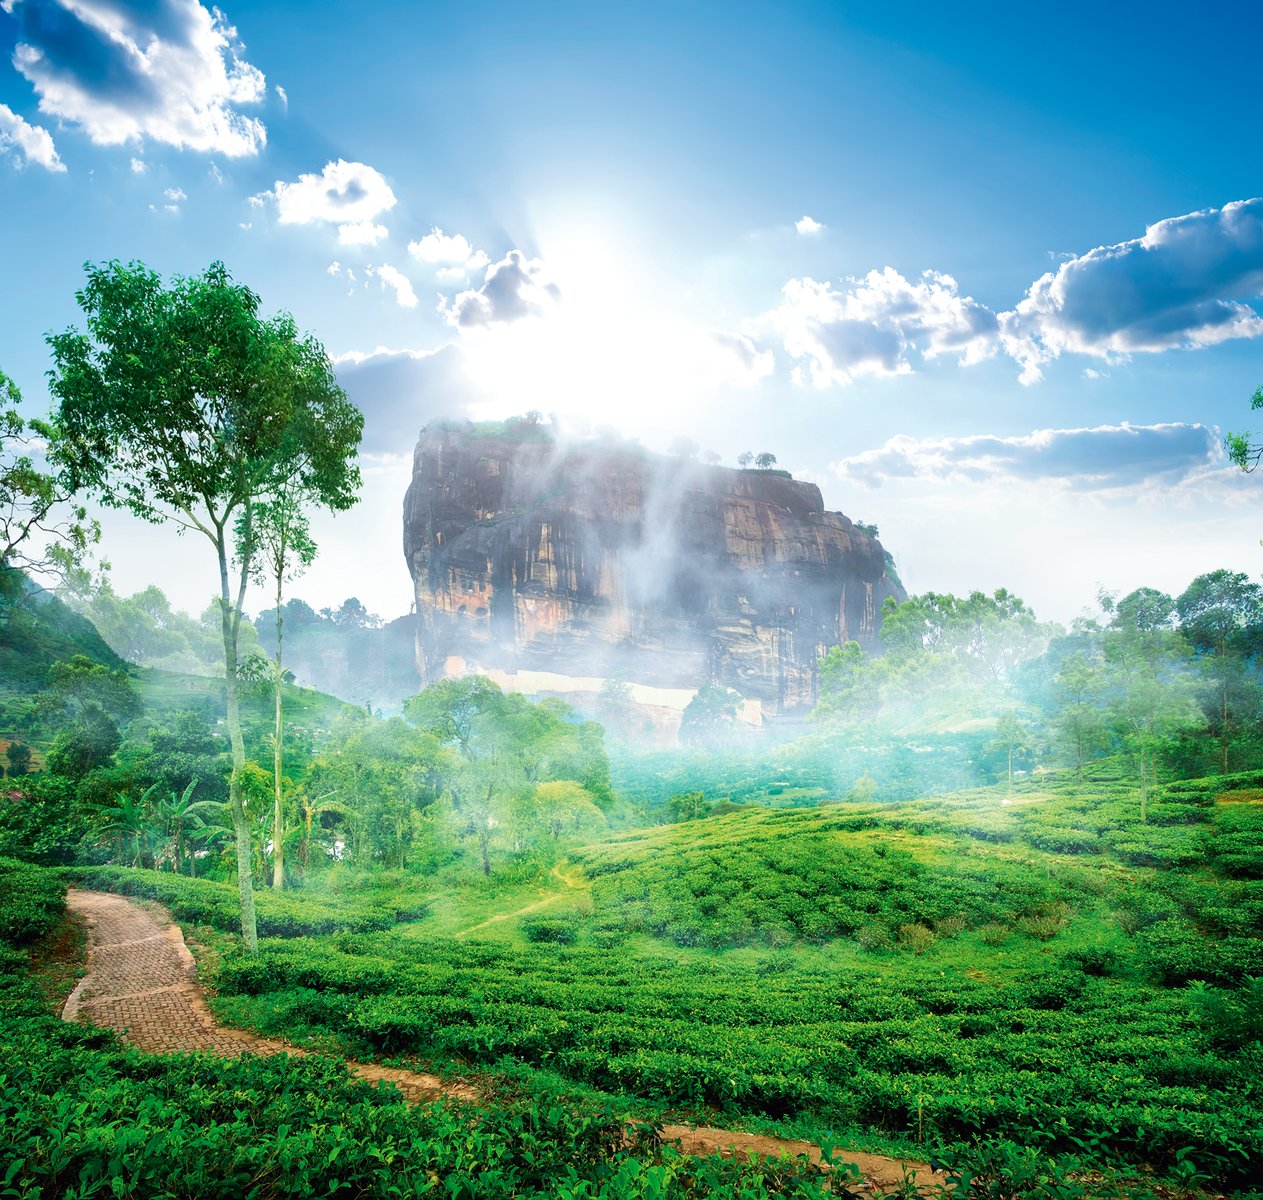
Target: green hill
point(37, 630)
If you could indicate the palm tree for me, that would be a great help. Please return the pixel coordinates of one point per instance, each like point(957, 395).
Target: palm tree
point(309, 809)
point(128, 821)
point(181, 817)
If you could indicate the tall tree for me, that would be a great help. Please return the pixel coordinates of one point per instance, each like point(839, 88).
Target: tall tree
point(181, 403)
point(277, 536)
point(1152, 690)
point(1221, 614)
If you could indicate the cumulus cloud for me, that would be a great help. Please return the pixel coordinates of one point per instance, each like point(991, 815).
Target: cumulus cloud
point(33, 143)
point(875, 325)
point(1099, 459)
point(805, 225)
point(453, 254)
point(126, 70)
point(1183, 285)
point(347, 194)
point(138, 166)
point(397, 282)
point(514, 288)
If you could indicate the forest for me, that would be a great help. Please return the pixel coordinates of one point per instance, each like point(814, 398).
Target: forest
point(995, 907)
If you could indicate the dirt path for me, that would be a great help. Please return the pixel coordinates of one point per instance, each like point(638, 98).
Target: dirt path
point(547, 902)
point(141, 981)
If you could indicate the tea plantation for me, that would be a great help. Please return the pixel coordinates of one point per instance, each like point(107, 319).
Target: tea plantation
point(1037, 976)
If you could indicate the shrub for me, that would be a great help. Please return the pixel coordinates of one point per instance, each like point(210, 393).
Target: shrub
point(994, 934)
point(917, 938)
point(559, 931)
point(874, 938)
point(32, 900)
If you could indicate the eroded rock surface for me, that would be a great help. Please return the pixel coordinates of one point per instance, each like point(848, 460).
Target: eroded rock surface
point(571, 563)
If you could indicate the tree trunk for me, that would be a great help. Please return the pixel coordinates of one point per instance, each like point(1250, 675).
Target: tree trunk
point(1223, 727)
point(278, 817)
point(484, 840)
point(1144, 789)
point(236, 796)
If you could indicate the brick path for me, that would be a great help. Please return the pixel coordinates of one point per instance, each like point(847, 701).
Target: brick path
point(142, 982)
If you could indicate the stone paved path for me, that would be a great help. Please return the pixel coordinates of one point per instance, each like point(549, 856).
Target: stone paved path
point(142, 982)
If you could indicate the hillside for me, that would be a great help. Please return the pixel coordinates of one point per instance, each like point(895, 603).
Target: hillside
point(37, 630)
point(892, 975)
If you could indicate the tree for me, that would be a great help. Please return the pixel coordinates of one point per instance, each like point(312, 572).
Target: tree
point(765, 461)
point(181, 404)
point(507, 747)
point(1013, 737)
point(1221, 614)
point(1246, 454)
point(18, 756)
point(563, 805)
point(1079, 720)
point(35, 503)
point(1151, 692)
point(850, 685)
point(745, 458)
point(277, 536)
point(89, 702)
point(711, 715)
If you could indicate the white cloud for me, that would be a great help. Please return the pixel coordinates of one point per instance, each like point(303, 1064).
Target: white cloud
point(361, 233)
point(514, 288)
point(33, 142)
point(334, 268)
point(347, 194)
point(1183, 285)
point(397, 281)
point(453, 254)
point(138, 166)
point(805, 225)
point(283, 96)
point(1104, 458)
point(439, 247)
point(125, 70)
point(740, 361)
point(876, 324)
point(175, 194)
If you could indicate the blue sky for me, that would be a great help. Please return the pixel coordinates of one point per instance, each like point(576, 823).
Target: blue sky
point(991, 278)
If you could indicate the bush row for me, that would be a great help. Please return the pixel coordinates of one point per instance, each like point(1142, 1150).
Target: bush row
point(279, 914)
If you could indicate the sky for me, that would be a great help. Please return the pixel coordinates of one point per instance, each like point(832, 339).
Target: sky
point(990, 275)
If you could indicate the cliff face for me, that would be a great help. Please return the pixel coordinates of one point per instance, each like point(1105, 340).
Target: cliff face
point(579, 562)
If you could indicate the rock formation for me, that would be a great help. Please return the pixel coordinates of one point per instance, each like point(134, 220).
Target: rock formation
point(556, 566)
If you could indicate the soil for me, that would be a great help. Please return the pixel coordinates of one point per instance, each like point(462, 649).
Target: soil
point(142, 982)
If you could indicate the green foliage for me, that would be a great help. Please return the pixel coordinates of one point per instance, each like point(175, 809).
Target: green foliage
point(710, 717)
point(31, 902)
point(38, 630)
point(36, 503)
point(42, 820)
point(762, 876)
point(80, 1115)
point(286, 915)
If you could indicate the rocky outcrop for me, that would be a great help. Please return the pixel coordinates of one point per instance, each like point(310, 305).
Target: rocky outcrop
point(595, 559)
